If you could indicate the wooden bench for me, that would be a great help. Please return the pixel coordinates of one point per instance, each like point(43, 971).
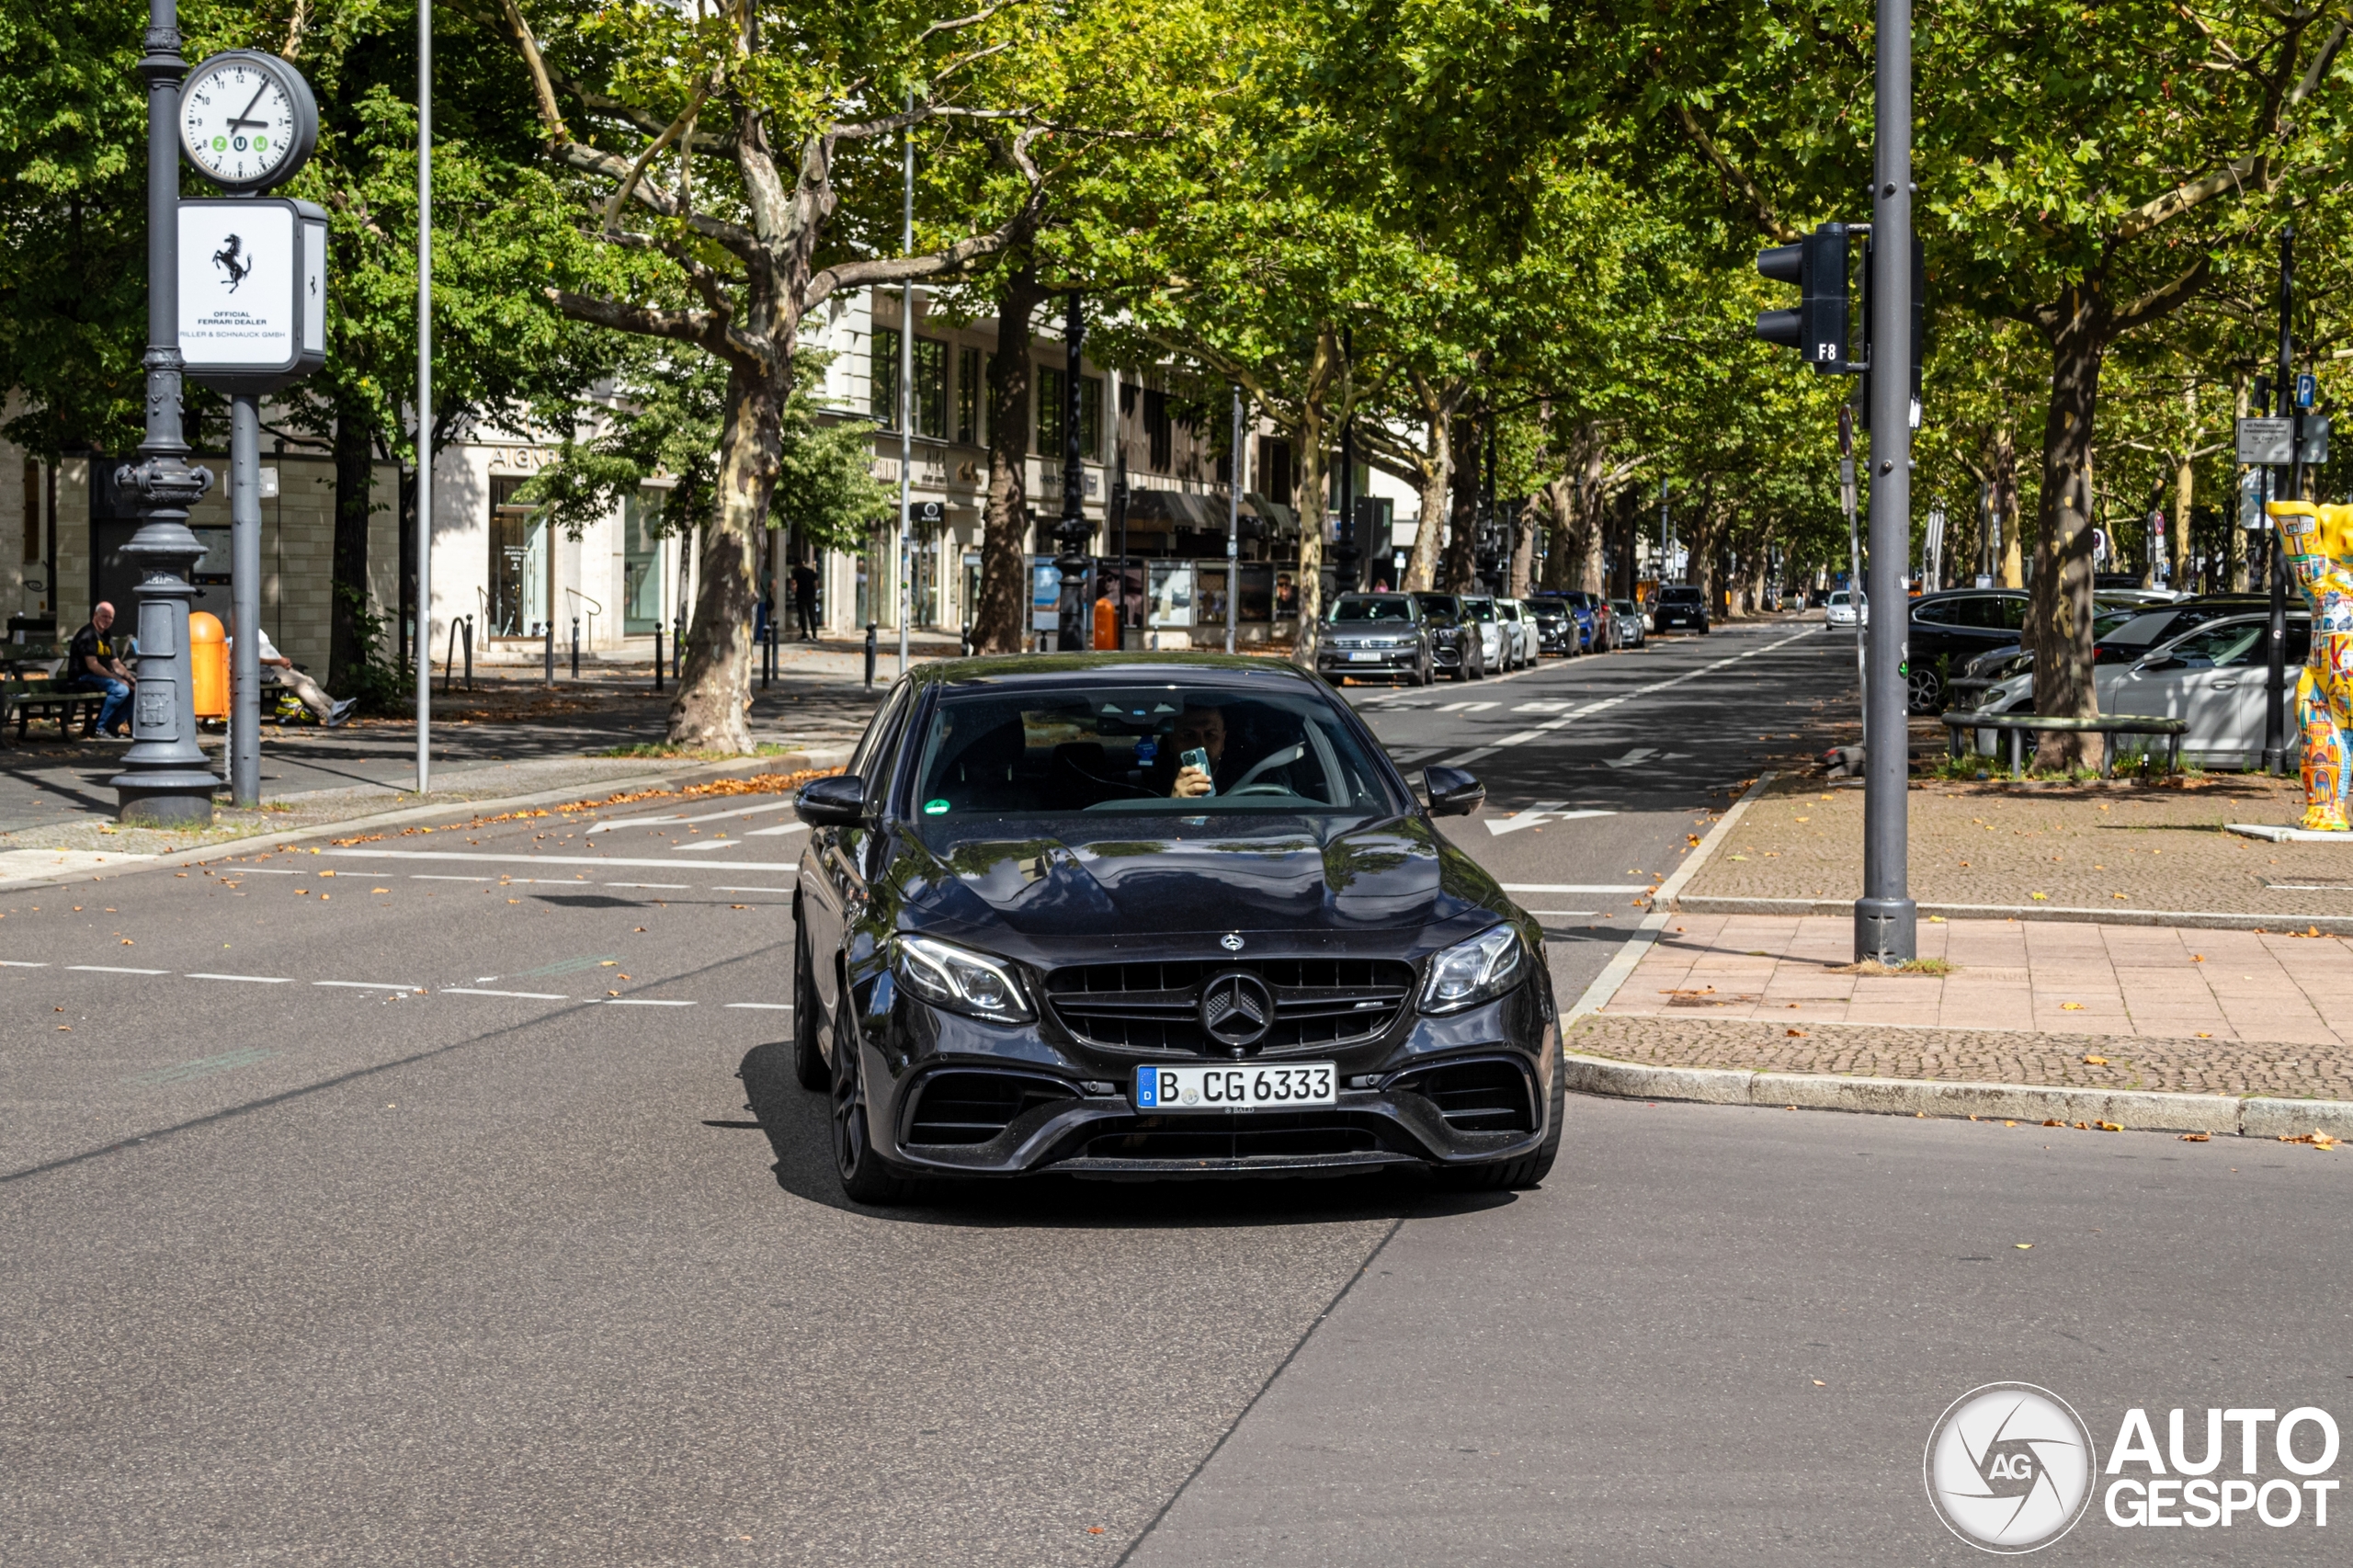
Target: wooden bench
point(2016, 727)
point(22, 702)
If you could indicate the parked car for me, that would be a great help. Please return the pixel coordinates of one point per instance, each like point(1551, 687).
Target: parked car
point(1950, 629)
point(1556, 623)
point(1024, 943)
point(1519, 625)
point(1593, 618)
point(1376, 634)
point(1495, 647)
point(1456, 647)
point(1680, 603)
point(2157, 625)
point(1628, 623)
point(2212, 676)
point(1846, 608)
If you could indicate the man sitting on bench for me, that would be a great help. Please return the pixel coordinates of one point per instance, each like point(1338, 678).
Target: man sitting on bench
point(93, 663)
point(328, 711)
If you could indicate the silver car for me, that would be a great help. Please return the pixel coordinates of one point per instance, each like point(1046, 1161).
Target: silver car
point(1519, 620)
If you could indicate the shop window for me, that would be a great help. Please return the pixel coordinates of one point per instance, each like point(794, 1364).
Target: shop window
point(642, 563)
point(884, 375)
point(968, 396)
point(931, 388)
point(522, 565)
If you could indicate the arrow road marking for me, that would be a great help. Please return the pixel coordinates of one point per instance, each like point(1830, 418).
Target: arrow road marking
point(1538, 815)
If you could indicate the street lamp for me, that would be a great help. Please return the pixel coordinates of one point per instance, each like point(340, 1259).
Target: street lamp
point(1073, 532)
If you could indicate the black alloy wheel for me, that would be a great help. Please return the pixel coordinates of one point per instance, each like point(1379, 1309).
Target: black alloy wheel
point(1925, 689)
point(808, 1061)
point(864, 1177)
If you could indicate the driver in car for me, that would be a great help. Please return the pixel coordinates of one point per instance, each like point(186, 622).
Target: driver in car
point(1202, 729)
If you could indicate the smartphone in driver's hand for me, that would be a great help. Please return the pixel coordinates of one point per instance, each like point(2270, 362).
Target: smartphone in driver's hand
point(1198, 757)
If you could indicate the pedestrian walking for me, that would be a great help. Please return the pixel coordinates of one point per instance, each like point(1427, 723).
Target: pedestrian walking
point(804, 600)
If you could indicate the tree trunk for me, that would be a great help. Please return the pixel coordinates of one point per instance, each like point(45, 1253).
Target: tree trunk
point(1523, 553)
point(1462, 542)
point(2001, 467)
point(1000, 621)
point(715, 689)
point(1310, 495)
point(1560, 497)
point(2059, 615)
point(354, 450)
point(1699, 547)
point(1421, 569)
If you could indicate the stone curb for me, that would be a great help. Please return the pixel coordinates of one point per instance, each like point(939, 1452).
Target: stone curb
point(2253, 1116)
point(787, 762)
point(2183, 919)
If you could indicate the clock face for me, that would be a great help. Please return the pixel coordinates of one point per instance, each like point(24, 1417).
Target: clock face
point(238, 122)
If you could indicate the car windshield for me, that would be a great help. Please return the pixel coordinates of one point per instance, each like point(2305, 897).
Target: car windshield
point(1106, 749)
point(1372, 610)
point(2234, 643)
point(2144, 629)
point(1438, 607)
point(1678, 596)
point(1481, 610)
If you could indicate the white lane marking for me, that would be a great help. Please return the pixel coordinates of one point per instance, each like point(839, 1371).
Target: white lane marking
point(681, 820)
point(751, 890)
point(708, 844)
point(546, 881)
point(1537, 817)
point(663, 886)
point(112, 969)
point(20, 963)
point(776, 832)
point(763, 1006)
point(429, 877)
point(527, 995)
point(258, 872)
point(1552, 707)
point(251, 979)
point(1603, 704)
point(546, 860)
point(1575, 887)
point(642, 1001)
point(366, 985)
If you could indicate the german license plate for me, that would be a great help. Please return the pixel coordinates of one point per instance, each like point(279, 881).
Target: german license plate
point(1364, 658)
point(1239, 1087)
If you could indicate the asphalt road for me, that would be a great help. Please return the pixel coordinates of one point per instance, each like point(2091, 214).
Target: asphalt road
point(457, 1208)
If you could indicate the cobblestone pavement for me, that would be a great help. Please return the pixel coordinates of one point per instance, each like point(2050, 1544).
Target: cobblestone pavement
point(2151, 981)
point(2124, 848)
point(1984, 1056)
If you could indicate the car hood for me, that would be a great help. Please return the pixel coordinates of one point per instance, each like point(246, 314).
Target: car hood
point(1146, 879)
point(1364, 631)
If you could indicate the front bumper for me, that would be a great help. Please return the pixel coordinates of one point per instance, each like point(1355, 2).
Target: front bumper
point(1466, 1089)
point(1341, 661)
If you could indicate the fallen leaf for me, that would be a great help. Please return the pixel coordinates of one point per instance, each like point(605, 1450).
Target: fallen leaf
point(68, 1028)
point(2110, 1126)
point(2070, 1006)
point(379, 890)
point(129, 943)
point(739, 906)
point(2038, 895)
point(2198, 957)
point(2198, 1138)
point(2054, 1123)
point(607, 963)
point(2095, 1061)
point(2023, 1246)
point(1795, 1034)
point(1091, 1529)
point(514, 900)
point(641, 928)
point(2009, 1124)
point(612, 993)
point(1820, 1384)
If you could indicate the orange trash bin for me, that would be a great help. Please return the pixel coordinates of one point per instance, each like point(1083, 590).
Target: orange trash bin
point(207, 654)
point(1106, 623)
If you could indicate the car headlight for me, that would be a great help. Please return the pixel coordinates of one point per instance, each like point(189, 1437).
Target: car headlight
point(960, 981)
point(1471, 973)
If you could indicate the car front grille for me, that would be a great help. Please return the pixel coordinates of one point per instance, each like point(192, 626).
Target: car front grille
point(1155, 1007)
point(1234, 1138)
point(1477, 1097)
point(956, 1108)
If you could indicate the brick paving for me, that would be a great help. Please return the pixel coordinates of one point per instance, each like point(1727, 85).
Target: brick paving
point(2125, 847)
point(1982, 1056)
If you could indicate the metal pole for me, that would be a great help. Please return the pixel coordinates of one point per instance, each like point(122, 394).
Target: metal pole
point(164, 781)
point(1885, 916)
point(1071, 530)
point(425, 397)
point(906, 391)
point(1233, 525)
point(2275, 675)
point(1120, 510)
point(1855, 597)
point(244, 600)
point(1666, 540)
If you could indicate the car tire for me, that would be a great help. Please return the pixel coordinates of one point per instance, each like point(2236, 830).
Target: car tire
point(1528, 1170)
point(808, 1062)
point(1424, 675)
point(865, 1179)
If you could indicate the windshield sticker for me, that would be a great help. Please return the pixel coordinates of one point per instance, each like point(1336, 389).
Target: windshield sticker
point(935, 808)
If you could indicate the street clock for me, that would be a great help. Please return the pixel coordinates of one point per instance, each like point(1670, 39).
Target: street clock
point(247, 119)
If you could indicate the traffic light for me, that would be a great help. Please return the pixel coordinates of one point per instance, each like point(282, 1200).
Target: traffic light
point(1871, 355)
point(1817, 328)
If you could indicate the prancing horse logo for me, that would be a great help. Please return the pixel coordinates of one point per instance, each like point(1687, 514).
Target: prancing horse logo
point(229, 258)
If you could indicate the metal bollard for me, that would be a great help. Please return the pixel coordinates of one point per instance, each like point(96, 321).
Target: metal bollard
point(869, 655)
point(449, 661)
point(657, 655)
point(548, 630)
point(968, 640)
point(575, 647)
point(470, 652)
point(678, 649)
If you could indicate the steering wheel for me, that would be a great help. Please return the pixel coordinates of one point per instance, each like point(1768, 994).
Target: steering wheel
point(1282, 758)
point(1258, 790)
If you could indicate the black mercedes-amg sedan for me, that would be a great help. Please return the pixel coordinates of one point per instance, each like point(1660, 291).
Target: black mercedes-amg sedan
point(1130, 916)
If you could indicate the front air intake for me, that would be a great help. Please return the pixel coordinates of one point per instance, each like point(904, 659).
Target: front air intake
point(962, 1108)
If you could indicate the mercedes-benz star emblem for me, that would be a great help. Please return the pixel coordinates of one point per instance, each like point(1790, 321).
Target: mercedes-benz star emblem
point(1231, 941)
point(1236, 1008)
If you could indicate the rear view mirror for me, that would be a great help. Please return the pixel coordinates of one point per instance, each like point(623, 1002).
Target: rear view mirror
point(838, 802)
point(1452, 792)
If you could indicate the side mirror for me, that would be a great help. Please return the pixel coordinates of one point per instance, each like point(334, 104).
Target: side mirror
point(1452, 792)
point(838, 802)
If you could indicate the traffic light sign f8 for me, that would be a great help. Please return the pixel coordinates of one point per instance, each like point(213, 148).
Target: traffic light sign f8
point(1817, 328)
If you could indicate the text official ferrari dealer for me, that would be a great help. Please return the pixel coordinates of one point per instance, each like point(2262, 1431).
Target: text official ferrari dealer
point(1130, 916)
